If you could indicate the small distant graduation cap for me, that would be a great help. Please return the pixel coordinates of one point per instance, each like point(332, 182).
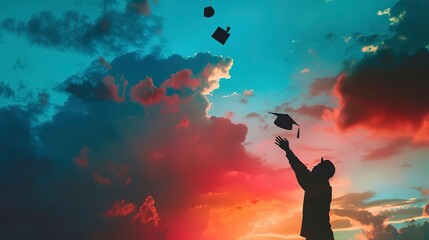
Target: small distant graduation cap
point(221, 35)
point(209, 11)
point(285, 121)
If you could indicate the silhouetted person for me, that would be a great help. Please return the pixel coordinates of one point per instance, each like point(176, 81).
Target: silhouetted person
point(317, 197)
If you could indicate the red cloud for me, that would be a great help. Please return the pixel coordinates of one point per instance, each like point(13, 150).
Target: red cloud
point(183, 123)
point(386, 93)
point(120, 208)
point(147, 212)
point(182, 79)
point(146, 93)
point(100, 179)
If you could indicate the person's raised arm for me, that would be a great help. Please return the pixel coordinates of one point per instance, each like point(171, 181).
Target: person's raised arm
point(301, 171)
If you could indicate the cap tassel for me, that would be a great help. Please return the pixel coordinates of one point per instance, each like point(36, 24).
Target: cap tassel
point(297, 135)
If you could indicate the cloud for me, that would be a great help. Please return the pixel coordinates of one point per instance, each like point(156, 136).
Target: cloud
point(249, 93)
point(423, 191)
point(253, 115)
point(146, 93)
point(369, 49)
point(322, 86)
point(389, 150)
point(415, 231)
point(183, 79)
point(104, 155)
point(113, 32)
point(341, 223)
point(120, 208)
point(353, 200)
point(330, 37)
point(140, 6)
point(305, 70)
point(147, 212)
point(102, 89)
point(105, 63)
point(426, 210)
point(409, 28)
point(212, 74)
point(184, 122)
point(366, 40)
point(399, 214)
point(377, 229)
point(6, 91)
point(405, 165)
point(354, 206)
point(315, 111)
point(397, 99)
point(234, 94)
point(358, 201)
point(384, 12)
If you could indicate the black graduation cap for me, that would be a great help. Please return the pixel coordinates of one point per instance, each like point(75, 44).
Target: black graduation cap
point(285, 121)
point(221, 35)
point(209, 11)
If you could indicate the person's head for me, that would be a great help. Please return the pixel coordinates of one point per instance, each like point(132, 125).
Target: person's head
point(325, 169)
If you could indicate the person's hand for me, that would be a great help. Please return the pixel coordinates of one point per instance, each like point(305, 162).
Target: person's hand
point(283, 143)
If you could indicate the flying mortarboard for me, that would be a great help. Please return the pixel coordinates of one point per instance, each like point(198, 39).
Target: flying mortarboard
point(285, 121)
point(209, 11)
point(221, 35)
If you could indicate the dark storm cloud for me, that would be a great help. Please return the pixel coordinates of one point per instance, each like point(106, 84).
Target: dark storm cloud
point(386, 91)
point(6, 91)
point(410, 32)
point(112, 31)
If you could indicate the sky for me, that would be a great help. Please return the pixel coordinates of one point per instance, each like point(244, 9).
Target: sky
point(124, 119)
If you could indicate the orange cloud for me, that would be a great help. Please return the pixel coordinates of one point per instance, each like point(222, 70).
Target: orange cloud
point(147, 212)
point(120, 208)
